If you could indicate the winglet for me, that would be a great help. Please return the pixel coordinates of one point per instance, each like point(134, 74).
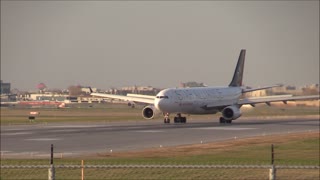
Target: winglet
point(238, 73)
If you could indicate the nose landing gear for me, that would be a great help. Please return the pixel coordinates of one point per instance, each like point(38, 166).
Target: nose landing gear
point(166, 118)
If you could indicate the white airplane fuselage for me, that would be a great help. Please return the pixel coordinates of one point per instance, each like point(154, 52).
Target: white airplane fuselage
point(203, 100)
point(200, 100)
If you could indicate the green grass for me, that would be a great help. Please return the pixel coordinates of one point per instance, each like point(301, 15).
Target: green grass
point(119, 112)
point(292, 151)
point(12, 116)
point(264, 110)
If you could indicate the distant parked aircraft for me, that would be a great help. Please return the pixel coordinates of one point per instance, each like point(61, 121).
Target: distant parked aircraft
point(203, 100)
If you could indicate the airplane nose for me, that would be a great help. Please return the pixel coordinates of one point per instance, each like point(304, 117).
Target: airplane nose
point(159, 104)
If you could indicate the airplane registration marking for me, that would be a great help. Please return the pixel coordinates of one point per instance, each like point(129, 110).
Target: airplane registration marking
point(226, 128)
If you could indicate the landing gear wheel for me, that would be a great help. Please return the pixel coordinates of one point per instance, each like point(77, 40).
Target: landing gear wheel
point(179, 119)
point(222, 120)
point(176, 120)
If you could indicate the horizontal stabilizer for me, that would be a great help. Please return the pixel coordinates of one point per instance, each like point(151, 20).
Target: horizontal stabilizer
point(257, 89)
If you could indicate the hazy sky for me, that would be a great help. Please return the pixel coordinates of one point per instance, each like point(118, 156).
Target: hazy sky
point(113, 44)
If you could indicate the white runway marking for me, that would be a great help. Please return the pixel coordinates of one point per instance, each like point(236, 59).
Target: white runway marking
point(43, 139)
point(150, 131)
point(77, 126)
point(14, 129)
point(14, 134)
point(135, 127)
point(225, 128)
point(5, 152)
point(63, 130)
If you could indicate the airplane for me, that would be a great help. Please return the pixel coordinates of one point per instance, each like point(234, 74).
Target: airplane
point(204, 100)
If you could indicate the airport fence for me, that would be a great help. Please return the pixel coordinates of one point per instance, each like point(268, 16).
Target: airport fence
point(87, 172)
point(280, 165)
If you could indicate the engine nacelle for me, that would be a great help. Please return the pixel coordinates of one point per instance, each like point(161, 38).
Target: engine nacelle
point(231, 113)
point(149, 112)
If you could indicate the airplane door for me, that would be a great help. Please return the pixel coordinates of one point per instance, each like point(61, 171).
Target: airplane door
point(219, 96)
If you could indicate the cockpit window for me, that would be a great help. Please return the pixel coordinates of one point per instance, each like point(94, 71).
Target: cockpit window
point(162, 97)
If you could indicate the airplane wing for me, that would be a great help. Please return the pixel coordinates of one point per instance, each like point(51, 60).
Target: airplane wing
point(141, 96)
point(269, 99)
point(125, 98)
point(256, 89)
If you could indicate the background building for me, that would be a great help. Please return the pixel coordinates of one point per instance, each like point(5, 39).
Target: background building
point(5, 88)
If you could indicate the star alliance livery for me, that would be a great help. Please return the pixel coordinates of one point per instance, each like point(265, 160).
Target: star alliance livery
point(203, 100)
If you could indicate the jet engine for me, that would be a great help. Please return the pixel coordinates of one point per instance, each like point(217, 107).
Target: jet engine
point(149, 112)
point(231, 113)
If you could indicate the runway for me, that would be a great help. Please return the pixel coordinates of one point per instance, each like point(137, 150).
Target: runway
point(76, 139)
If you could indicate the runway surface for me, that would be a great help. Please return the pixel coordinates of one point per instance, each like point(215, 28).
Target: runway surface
point(76, 139)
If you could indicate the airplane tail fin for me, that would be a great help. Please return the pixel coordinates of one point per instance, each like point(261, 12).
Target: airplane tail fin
point(238, 73)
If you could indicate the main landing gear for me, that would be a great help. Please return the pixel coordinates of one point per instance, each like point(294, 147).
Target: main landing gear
point(223, 120)
point(180, 119)
point(177, 119)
